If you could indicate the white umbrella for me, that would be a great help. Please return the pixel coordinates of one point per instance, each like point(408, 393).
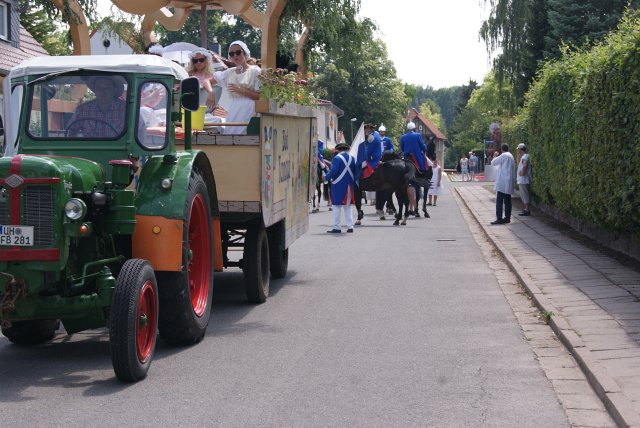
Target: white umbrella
point(179, 51)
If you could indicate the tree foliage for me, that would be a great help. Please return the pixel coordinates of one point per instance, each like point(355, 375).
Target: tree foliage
point(361, 80)
point(43, 30)
point(582, 126)
point(431, 111)
point(527, 32)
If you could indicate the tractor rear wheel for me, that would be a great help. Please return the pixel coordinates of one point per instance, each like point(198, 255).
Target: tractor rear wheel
point(133, 321)
point(278, 256)
point(185, 297)
point(255, 263)
point(31, 332)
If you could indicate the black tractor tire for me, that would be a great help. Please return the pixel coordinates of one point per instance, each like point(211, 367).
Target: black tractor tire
point(255, 263)
point(185, 297)
point(278, 257)
point(31, 332)
point(133, 321)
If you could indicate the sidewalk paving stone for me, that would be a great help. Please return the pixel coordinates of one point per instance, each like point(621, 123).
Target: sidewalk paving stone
point(595, 301)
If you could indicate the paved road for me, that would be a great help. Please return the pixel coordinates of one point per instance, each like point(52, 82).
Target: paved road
point(389, 326)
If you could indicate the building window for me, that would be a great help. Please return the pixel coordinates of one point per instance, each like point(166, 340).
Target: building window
point(4, 21)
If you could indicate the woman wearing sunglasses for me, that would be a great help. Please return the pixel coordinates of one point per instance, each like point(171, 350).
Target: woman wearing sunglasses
point(201, 66)
point(240, 86)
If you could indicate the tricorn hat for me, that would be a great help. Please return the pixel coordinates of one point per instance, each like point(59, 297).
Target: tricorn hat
point(342, 146)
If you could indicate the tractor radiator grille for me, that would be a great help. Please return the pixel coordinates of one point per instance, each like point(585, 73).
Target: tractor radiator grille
point(4, 212)
point(39, 212)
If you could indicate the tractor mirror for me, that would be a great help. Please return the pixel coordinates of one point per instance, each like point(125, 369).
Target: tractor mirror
point(190, 94)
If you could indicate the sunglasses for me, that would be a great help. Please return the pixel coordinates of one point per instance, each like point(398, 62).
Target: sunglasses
point(197, 60)
point(235, 53)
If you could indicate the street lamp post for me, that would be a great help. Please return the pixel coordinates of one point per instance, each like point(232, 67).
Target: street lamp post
point(353, 119)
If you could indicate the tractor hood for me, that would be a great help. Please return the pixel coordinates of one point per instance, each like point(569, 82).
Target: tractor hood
point(80, 174)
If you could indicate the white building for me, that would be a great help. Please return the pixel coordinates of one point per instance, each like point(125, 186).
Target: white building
point(105, 42)
point(328, 115)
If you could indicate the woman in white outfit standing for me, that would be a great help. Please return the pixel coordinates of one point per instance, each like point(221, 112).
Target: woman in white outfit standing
point(240, 85)
point(436, 184)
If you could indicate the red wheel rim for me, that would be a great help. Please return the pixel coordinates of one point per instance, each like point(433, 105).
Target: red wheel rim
point(147, 321)
point(199, 267)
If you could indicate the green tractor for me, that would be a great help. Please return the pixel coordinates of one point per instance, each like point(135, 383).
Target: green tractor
point(102, 221)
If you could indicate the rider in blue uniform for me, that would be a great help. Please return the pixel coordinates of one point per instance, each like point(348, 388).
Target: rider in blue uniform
point(372, 151)
point(411, 144)
point(387, 145)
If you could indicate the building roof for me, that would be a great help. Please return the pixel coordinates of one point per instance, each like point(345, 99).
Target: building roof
point(11, 56)
point(331, 106)
point(412, 114)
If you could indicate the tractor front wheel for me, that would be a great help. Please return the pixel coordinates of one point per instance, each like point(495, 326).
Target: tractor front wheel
point(185, 297)
point(133, 321)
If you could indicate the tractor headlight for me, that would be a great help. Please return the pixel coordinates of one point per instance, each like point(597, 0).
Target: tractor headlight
point(75, 209)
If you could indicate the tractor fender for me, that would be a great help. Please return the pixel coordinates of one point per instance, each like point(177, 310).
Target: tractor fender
point(160, 212)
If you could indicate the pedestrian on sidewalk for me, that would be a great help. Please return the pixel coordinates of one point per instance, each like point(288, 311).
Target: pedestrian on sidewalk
point(473, 165)
point(524, 178)
point(504, 184)
point(464, 168)
point(435, 188)
point(342, 178)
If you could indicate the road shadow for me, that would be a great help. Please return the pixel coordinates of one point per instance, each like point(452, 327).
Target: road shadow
point(74, 361)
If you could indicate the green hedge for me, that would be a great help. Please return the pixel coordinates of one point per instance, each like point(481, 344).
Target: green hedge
point(581, 124)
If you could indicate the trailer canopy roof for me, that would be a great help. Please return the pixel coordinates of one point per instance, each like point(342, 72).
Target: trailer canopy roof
point(150, 64)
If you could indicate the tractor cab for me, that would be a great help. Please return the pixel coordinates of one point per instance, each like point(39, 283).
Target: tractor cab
point(93, 107)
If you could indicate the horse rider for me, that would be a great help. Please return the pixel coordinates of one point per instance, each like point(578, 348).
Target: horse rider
point(342, 178)
point(387, 145)
point(413, 147)
point(372, 152)
point(388, 153)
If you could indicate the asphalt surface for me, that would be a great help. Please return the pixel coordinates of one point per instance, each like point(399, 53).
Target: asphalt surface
point(591, 293)
point(388, 326)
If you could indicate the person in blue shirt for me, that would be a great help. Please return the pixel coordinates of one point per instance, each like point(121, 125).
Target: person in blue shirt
point(372, 151)
point(342, 178)
point(412, 146)
point(387, 145)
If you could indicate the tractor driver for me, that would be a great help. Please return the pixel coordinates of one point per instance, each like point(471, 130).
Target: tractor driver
point(104, 116)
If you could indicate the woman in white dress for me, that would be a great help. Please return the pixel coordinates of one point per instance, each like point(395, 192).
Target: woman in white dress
point(436, 184)
point(201, 67)
point(240, 87)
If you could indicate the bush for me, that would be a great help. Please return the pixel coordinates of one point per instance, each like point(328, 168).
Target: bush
point(581, 124)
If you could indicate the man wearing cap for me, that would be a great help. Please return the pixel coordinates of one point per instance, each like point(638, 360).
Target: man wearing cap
point(412, 146)
point(104, 116)
point(473, 165)
point(386, 195)
point(372, 152)
point(524, 178)
point(387, 145)
point(342, 178)
point(504, 184)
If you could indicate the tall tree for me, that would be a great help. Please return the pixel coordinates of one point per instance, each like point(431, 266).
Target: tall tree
point(431, 111)
point(43, 29)
point(362, 81)
point(574, 23)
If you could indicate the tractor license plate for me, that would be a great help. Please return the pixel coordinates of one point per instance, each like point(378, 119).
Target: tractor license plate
point(16, 235)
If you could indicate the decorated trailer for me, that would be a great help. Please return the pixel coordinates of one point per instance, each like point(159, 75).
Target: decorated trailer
point(106, 221)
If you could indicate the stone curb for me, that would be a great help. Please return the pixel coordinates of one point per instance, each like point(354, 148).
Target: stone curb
point(618, 406)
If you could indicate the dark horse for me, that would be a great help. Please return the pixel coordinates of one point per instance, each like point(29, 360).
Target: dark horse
point(394, 174)
point(319, 186)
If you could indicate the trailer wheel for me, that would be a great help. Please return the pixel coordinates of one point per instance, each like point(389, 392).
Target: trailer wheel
point(185, 297)
point(278, 258)
point(255, 263)
point(133, 321)
point(31, 332)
